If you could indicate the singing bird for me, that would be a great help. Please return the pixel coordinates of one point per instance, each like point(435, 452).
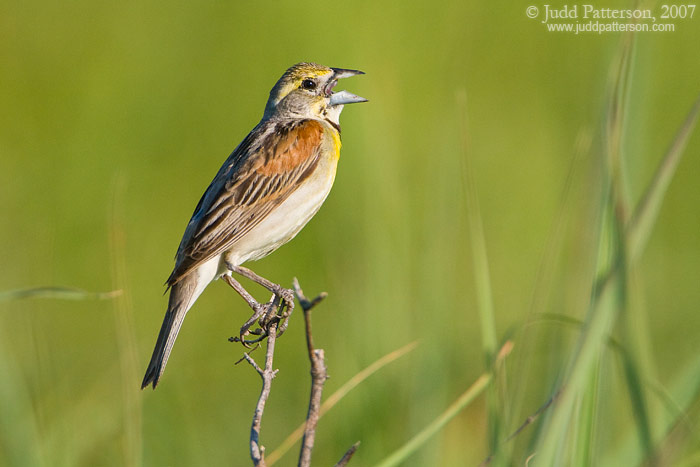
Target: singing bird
point(272, 184)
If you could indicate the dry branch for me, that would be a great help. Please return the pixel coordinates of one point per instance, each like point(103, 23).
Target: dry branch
point(348, 455)
point(257, 451)
point(319, 375)
point(272, 326)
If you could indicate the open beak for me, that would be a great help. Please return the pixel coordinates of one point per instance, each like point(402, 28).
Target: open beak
point(343, 97)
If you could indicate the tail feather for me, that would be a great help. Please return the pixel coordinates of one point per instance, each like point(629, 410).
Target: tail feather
point(182, 296)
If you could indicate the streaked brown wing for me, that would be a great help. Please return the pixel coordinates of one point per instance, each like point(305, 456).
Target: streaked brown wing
point(261, 173)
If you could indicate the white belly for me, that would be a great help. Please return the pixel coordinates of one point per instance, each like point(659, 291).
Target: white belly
point(283, 223)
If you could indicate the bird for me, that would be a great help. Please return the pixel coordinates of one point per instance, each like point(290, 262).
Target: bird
point(265, 192)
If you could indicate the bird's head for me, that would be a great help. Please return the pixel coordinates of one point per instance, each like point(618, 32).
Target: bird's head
point(306, 90)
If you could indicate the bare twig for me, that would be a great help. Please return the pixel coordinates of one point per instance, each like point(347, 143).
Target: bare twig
point(257, 451)
point(348, 455)
point(272, 322)
point(319, 375)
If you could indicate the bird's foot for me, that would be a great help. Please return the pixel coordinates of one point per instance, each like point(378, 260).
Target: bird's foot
point(277, 310)
point(258, 311)
point(286, 307)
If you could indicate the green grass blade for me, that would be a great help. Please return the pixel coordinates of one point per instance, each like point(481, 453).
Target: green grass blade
point(594, 337)
point(638, 230)
point(607, 299)
point(636, 392)
point(684, 392)
point(61, 293)
point(484, 295)
point(417, 441)
point(585, 431)
point(644, 217)
point(616, 119)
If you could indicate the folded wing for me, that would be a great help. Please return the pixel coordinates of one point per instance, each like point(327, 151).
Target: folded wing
point(268, 166)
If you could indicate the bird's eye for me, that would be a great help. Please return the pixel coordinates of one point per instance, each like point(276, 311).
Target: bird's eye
point(308, 84)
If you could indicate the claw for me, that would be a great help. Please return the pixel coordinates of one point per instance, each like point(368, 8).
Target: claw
point(284, 318)
point(268, 315)
point(258, 310)
point(278, 309)
point(287, 295)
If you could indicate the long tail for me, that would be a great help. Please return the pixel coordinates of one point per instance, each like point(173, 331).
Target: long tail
point(182, 297)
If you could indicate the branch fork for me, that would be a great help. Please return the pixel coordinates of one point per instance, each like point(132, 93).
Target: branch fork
point(273, 317)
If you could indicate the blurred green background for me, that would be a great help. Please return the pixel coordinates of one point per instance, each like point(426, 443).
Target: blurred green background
point(116, 116)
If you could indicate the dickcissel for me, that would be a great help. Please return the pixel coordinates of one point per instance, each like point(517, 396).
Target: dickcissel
point(267, 190)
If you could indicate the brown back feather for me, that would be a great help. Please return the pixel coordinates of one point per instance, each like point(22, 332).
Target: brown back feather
point(268, 166)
